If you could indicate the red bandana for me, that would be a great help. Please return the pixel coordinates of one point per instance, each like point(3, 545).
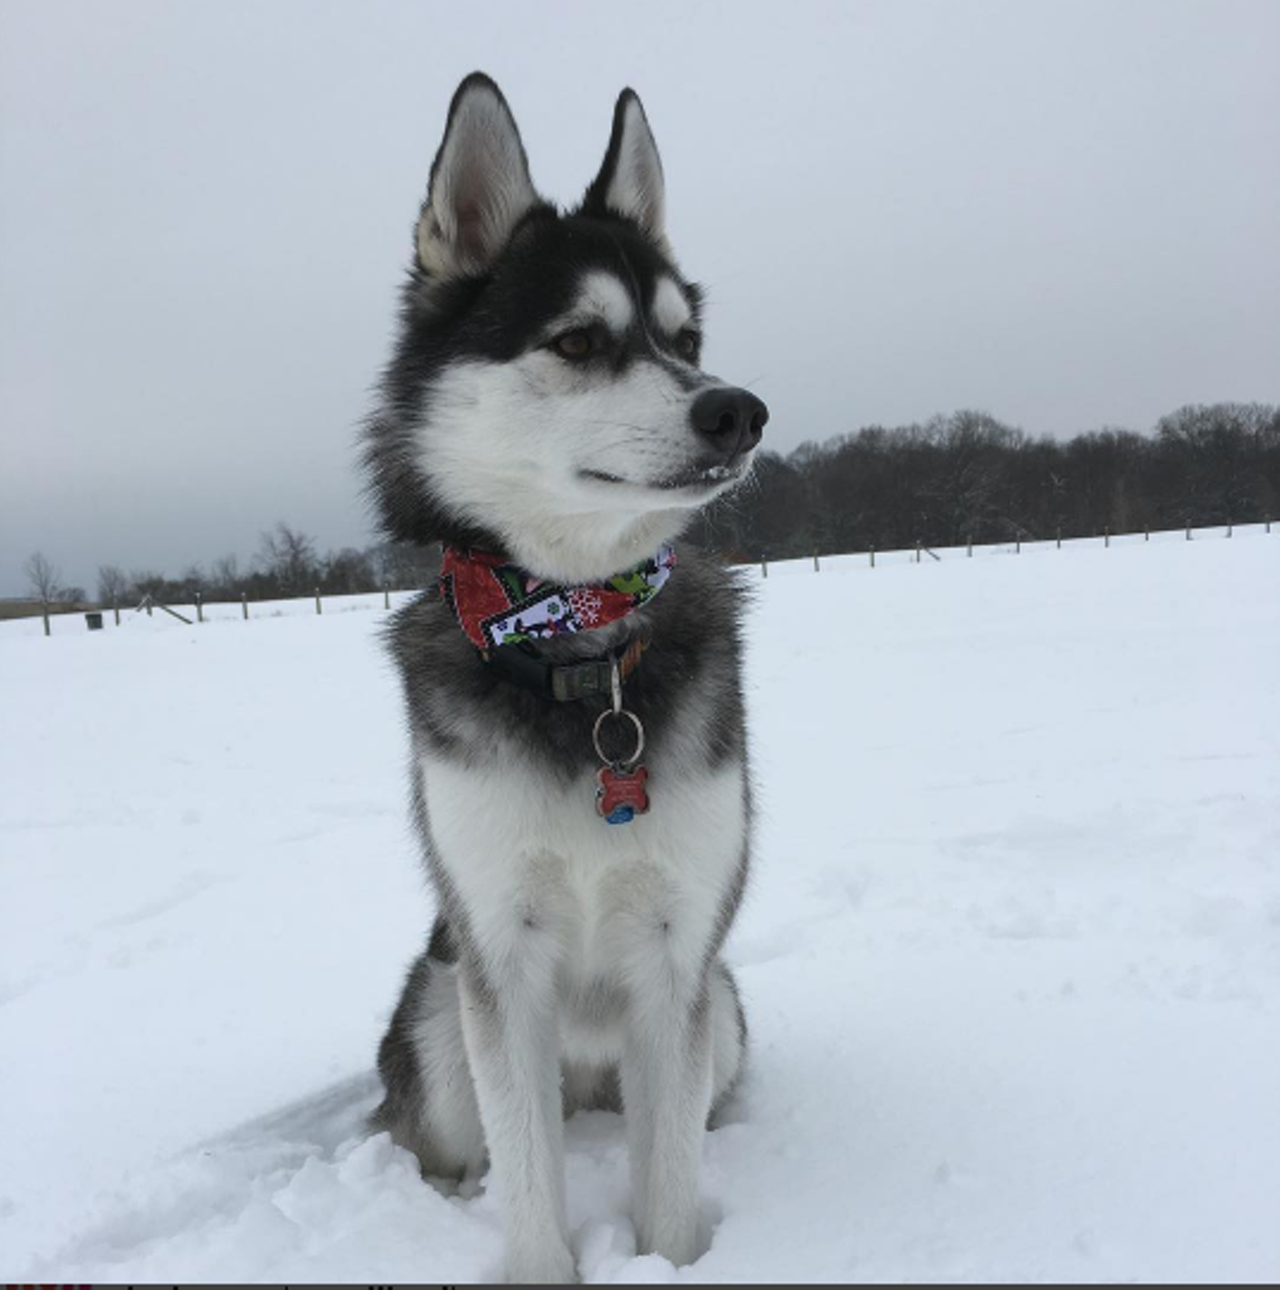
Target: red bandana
point(498, 603)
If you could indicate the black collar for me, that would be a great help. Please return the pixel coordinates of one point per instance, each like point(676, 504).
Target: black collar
point(522, 665)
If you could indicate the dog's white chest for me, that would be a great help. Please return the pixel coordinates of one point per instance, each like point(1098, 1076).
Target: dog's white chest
point(529, 857)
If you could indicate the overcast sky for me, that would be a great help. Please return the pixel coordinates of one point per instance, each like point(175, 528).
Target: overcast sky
point(1065, 214)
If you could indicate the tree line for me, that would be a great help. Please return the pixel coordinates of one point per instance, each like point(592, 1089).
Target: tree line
point(968, 476)
point(954, 478)
point(287, 564)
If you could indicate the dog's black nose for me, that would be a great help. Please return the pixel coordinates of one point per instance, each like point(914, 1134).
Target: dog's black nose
point(732, 419)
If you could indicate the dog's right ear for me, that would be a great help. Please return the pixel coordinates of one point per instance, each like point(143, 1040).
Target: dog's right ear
point(480, 187)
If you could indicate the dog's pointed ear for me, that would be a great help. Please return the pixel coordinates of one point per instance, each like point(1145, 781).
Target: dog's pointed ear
point(630, 180)
point(480, 187)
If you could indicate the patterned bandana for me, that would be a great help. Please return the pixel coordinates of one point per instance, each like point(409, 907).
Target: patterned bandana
point(498, 603)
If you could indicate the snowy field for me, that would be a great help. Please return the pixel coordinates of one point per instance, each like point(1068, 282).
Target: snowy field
point(1011, 957)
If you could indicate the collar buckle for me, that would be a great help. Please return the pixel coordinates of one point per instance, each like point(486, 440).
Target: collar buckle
point(522, 665)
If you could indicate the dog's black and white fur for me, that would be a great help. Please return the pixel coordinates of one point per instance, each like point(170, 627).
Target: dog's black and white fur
point(545, 401)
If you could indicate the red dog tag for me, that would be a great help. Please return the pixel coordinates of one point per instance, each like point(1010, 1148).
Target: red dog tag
point(620, 794)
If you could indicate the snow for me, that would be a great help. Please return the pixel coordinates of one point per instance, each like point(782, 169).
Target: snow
point(1011, 956)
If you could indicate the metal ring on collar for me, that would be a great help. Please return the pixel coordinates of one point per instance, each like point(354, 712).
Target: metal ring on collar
point(635, 721)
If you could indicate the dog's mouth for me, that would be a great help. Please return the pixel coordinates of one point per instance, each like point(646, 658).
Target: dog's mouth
point(704, 478)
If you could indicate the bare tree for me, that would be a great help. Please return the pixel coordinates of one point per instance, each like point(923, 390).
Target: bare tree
point(403, 564)
point(347, 571)
point(224, 576)
point(42, 576)
point(193, 582)
point(113, 584)
point(289, 557)
point(148, 583)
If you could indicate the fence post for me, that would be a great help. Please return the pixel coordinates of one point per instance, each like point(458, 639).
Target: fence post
point(872, 553)
point(1230, 526)
point(45, 614)
point(917, 550)
point(816, 568)
point(1146, 533)
point(244, 604)
point(1188, 532)
point(969, 549)
point(386, 597)
point(1106, 536)
point(1268, 523)
point(764, 567)
point(1017, 545)
point(1059, 538)
point(199, 607)
point(115, 609)
point(317, 600)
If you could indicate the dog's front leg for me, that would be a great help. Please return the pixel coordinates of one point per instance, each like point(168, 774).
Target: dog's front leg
point(510, 1026)
point(666, 1090)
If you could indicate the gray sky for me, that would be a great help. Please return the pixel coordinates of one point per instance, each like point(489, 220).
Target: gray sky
point(1065, 214)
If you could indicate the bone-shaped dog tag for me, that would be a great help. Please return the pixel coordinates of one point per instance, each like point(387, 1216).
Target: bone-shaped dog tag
point(621, 794)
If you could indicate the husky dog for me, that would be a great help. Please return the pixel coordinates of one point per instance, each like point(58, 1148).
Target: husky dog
point(545, 417)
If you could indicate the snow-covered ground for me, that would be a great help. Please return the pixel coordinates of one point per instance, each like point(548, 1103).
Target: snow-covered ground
point(1011, 957)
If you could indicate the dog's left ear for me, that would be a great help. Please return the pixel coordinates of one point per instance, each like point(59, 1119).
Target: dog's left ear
point(630, 180)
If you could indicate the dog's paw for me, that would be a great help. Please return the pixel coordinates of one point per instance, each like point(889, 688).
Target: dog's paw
point(676, 1240)
point(552, 1265)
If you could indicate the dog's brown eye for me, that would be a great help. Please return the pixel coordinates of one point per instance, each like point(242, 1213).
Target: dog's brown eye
point(574, 344)
point(688, 342)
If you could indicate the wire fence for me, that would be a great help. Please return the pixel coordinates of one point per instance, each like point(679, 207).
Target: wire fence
point(919, 553)
point(200, 610)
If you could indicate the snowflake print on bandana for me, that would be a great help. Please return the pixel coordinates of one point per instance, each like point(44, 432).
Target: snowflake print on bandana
point(587, 605)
